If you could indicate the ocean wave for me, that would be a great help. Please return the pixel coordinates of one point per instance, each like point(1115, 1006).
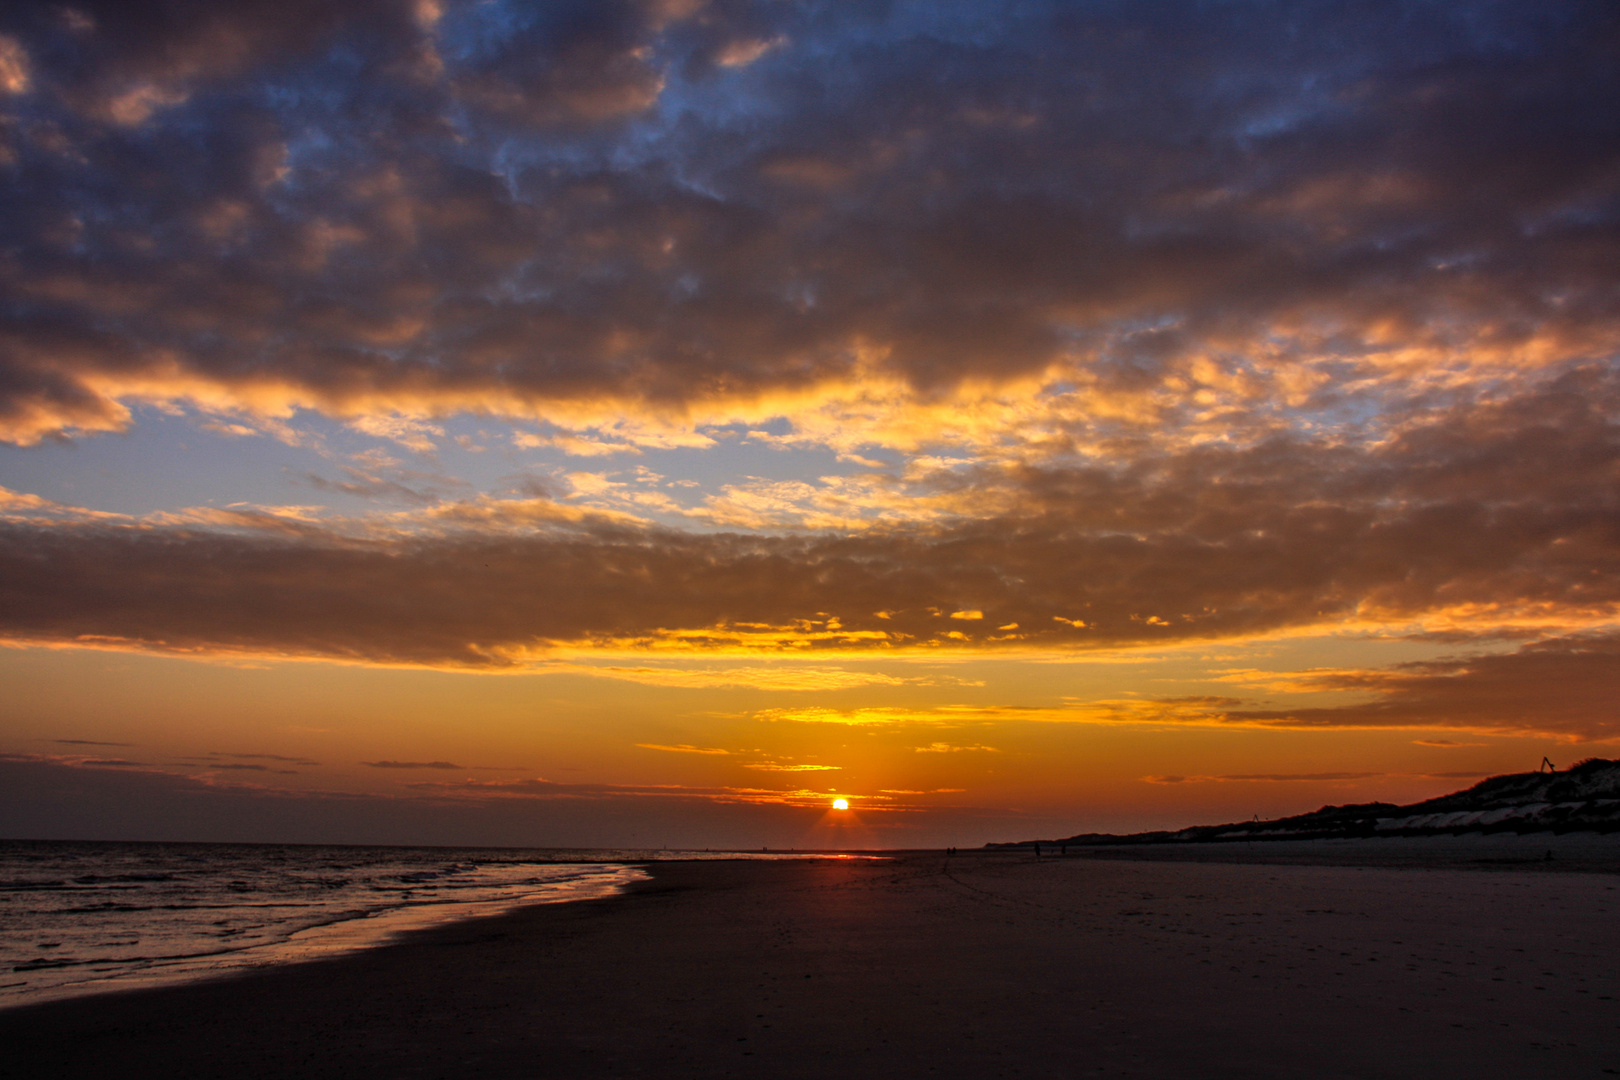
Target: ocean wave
point(126, 914)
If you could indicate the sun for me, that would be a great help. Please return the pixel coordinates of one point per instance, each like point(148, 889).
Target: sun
point(840, 804)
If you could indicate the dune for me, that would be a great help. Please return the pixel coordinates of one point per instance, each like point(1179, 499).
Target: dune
point(1584, 797)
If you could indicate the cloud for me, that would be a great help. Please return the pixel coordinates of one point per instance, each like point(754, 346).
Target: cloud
point(1558, 688)
point(777, 766)
point(54, 800)
point(579, 211)
point(14, 73)
point(1464, 518)
point(89, 742)
point(465, 789)
point(1131, 330)
point(364, 485)
point(858, 717)
point(758, 678)
point(409, 431)
point(232, 762)
point(1267, 778)
point(548, 790)
point(683, 749)
point(1198, 710)
point(266, 757)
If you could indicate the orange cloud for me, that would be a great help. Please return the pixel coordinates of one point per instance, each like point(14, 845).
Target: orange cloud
point(776, 766)
point(1447, 527)
point(683, 749)
point(759, 678)
point(541, 789)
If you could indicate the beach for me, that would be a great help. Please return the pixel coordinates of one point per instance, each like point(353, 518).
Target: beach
point(927, 965)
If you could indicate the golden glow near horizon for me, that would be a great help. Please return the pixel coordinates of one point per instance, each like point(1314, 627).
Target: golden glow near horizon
point(609, 432)
point(840, 804)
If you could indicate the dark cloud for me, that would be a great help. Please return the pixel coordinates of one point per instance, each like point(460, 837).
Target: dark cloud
point(358, 208)
point(573, 63)
point(365, 486)
point(120, 63)
point(1563, 687)
point(243, 763)
point(1293, 777)
point(1492, 513)
point(412, 764)
point(89, 742)
point(216, 755)
point(43, 799)
point(1282, 778)
point(53, 800)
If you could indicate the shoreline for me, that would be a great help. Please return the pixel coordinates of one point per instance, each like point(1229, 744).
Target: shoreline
point(982, 964)
point(84, 918)
point(344, 935)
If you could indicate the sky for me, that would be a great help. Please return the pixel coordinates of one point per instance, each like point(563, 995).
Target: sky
point(641, 422)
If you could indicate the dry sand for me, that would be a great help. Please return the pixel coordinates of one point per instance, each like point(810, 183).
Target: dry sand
point(981, 965)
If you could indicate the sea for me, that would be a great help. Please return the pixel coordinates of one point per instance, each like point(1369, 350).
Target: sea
point(85, 917)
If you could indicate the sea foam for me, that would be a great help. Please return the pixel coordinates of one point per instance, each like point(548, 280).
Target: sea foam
point(80, 918)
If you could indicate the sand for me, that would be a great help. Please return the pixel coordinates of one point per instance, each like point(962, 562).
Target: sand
point(981, 965)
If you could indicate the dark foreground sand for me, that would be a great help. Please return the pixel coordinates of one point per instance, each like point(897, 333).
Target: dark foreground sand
point(983, 965)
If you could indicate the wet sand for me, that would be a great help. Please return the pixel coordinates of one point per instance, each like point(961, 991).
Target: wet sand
point(981, 965)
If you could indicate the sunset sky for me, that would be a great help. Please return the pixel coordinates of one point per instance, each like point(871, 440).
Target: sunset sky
point(640, 423)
